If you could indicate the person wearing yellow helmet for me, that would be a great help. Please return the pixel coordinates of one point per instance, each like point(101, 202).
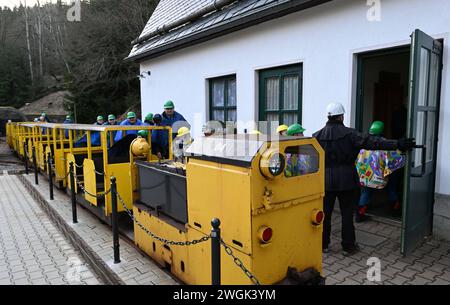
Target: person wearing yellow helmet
point(182, 131)
point(282, 130)
point(182, 141)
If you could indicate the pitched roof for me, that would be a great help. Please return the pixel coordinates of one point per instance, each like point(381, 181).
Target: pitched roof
point(236, 16)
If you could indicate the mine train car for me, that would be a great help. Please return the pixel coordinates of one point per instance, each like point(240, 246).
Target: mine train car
point(267, 193)
point(96, 155)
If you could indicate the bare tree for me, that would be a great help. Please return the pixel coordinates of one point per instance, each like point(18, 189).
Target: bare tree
point(39, 35)
point(28, 43)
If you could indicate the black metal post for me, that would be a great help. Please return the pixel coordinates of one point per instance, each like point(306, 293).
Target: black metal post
point(215, 252)
point(36, 170)
point(26, 157)
point(114, 221)
point(50, 175)
point(72, 193)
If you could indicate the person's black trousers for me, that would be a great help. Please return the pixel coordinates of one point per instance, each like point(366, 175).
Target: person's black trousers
point(347, 204)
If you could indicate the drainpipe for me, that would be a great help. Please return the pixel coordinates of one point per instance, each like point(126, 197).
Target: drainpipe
point(215, 6)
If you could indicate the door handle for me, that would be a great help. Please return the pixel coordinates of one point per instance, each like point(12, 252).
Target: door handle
point(424, 158)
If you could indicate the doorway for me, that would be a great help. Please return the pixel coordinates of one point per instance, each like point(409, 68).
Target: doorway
point(401, 87)
point(383, 96)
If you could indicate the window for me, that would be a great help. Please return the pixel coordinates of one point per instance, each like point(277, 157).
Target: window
point(280, 91)
point(301, 160)
point(222, 102)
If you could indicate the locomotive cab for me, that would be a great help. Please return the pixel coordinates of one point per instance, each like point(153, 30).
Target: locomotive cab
point(267, 194)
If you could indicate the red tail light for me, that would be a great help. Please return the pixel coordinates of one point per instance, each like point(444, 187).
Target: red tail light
point(317, 217)
point(265, 234)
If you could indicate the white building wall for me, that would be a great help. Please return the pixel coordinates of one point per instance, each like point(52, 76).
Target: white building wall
point(325, 39)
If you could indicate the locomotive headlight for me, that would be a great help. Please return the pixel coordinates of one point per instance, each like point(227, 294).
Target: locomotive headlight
point(272, 164)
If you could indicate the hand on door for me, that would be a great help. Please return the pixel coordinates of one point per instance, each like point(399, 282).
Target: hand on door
point(406, 144)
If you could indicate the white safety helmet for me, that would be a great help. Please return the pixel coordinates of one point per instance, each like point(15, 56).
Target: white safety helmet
point(335, 109)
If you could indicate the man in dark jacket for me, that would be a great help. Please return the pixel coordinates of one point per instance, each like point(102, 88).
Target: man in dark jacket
point(342, 145)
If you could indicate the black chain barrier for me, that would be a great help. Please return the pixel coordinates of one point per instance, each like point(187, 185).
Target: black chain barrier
point(56, 174)
point(239, 263)
point(163, 240)
point(228, 249)
point(98, 196)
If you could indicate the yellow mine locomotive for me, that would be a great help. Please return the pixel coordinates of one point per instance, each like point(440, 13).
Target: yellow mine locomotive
point(267, 195)
point(266, 192)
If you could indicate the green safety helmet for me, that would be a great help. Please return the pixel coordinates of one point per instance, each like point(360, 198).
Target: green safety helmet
point(68, 117)
point(131, 115)
point(149, 117)
point(100, 118)
point(377, 128)
point(169, 105)
point(294, 129)
point(111, 117)
point(44, 114)
point(143, 133)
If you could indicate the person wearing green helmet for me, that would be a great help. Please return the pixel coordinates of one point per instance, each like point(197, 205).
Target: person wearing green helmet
point(297, 164)
point(342, 145)
point(44, 118)
point(68, 119)
point(131, 120)
point(143, 133)
point(100, 120)
point(173, 119)
point(148, 120)
point(295, 130)
point(377, 130)
point(111, 120)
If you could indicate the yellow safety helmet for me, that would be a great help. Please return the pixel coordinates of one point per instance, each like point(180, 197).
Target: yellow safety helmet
point(182, 131)
point(282, 128)
point(255, 132)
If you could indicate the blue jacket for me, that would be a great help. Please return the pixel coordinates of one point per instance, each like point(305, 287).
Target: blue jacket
point(160, 141)
point(118, 136)
point(95, 140)
point(166, 121)
point(66, 133)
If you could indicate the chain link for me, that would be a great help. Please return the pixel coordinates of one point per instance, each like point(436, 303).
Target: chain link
point(239, 263)
point(153, 235)
point(98, 173)
point(81, 166)
point(59, 177)
point(98, 196)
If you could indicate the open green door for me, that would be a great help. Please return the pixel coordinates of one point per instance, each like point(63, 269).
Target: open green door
point(423, 110)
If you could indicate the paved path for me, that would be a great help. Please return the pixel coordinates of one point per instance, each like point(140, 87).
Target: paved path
point(8, 162)
point(428, 264)
point(32, 250)
point(96, 240)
